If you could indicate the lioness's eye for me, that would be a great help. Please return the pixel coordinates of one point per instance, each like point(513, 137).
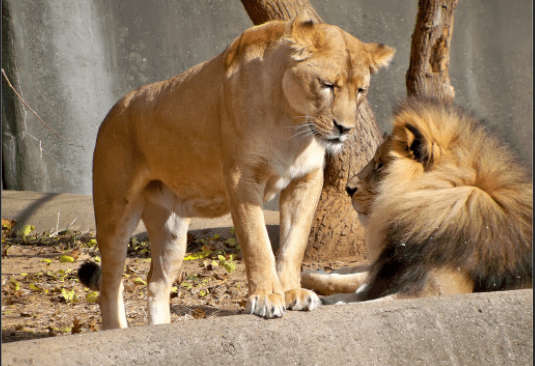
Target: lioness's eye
point(361, 90)
point(379, 166)
point(327, 85)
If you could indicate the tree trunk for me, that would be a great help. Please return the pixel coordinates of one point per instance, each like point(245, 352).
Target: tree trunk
point(430, 50)
point(336, 233)
point(261, 11)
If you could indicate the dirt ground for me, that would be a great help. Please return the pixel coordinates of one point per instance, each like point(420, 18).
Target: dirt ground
point(42, 297)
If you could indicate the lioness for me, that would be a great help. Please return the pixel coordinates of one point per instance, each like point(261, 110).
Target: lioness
point(447, 211)
point(228, 135)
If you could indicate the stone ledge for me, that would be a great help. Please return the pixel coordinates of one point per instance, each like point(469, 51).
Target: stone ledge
point(475, 329)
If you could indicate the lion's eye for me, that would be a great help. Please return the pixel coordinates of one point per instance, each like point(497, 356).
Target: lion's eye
point(379, 166)
point(361, 90)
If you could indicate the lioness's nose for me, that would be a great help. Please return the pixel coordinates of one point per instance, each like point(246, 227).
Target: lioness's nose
point(343, 129)
point(351, 191)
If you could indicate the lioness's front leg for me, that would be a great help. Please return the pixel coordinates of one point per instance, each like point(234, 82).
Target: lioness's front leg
point(266, 297)
point(297, 205)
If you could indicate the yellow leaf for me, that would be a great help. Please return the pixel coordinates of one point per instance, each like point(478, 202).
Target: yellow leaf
point(139, 281)
point(26, 230)
point(66, 259)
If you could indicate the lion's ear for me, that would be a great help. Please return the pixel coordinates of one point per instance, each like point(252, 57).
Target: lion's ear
point(418, 147)
point(381, 55)
point(298, 29)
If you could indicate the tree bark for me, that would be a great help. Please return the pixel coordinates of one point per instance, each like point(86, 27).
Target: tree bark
point(430, 50)
point(336, 233)
point(261, 11)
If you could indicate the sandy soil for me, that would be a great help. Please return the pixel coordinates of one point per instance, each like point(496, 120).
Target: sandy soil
point(42, 297)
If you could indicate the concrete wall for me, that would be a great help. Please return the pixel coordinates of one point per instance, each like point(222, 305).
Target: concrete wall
point(71, 61)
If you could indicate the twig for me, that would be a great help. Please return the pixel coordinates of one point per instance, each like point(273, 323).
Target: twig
point(35, 113)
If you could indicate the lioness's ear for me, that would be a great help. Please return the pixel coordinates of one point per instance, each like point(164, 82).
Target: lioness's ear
point(381, 55)
point(298, 29)
point(303, 19)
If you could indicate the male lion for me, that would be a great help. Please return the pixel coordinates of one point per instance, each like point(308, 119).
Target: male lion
point(447, 211)
point(228, 135)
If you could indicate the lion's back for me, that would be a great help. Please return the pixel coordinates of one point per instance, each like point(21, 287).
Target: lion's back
point(468, 205)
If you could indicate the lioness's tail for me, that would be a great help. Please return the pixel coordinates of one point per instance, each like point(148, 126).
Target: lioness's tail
point(89, 275)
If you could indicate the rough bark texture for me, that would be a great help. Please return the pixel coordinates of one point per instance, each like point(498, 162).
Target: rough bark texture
point(261, 11)
point(430, 50)
point(336, 232)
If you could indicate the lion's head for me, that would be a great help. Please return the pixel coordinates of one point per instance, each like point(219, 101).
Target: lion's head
point(363, 187)
point(328, 78)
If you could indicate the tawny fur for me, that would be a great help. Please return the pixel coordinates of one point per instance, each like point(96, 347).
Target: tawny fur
point(449, 210)
point(227, 135)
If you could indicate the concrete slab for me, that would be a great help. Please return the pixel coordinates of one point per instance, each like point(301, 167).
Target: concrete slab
point(475, 329)
point(47, 211)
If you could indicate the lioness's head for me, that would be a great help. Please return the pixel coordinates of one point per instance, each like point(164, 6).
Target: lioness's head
point(327, 80)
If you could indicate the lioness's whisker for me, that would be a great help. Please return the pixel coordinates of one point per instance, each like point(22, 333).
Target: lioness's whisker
point(303, 133)
point(311, 117)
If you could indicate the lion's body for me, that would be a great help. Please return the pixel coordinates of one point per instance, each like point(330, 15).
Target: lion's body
point(450, 210)
point(227, 135)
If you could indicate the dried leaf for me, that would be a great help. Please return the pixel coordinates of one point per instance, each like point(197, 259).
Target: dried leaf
point(26, 230)
point(51, 331)
point(76, 326)
point(66, 259)
point(8, 224)
point(93, 325)
point(92, 297)
point(35, 287)
point(139, 281)
point(198, 313)
point(75, 254)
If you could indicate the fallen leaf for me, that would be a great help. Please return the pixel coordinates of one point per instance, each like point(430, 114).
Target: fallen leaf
point(93, 325)
point(75, 254)
point(198, 313)
point(8, 224)
point(92, 297)
point(66, 259)
point(26, 230)
point(51, 331)
point(76, 326)
point(139, 281)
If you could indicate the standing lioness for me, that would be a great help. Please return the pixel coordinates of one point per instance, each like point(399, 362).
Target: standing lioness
point(228, 135)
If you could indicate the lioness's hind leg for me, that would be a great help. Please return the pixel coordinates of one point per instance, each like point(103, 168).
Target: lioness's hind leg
point(115, 224)
point(168, 239)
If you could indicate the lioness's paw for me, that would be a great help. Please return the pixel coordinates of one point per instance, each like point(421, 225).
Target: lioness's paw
point(302, 299)
point(266, 306)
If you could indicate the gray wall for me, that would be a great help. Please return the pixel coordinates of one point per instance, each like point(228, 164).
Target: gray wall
point(72, 60)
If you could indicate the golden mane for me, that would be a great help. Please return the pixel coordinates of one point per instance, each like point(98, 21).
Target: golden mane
point(451, 195)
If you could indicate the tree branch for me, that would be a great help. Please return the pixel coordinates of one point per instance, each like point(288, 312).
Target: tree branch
point(35, 113)
point(430, 50)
